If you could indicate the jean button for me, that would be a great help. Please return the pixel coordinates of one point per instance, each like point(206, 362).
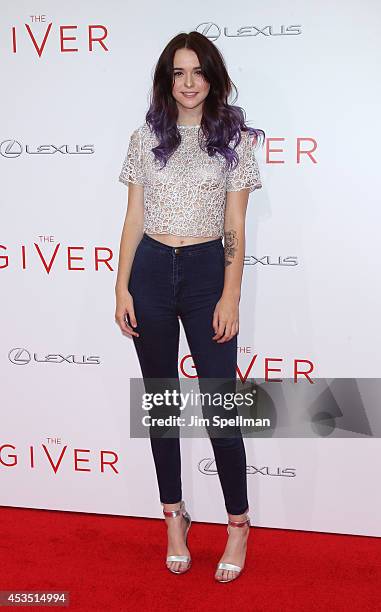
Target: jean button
point(177, 251)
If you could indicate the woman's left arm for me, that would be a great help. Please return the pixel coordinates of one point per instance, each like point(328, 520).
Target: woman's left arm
point(226, 313)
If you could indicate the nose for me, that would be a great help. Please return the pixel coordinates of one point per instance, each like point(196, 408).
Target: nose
point(189, 80)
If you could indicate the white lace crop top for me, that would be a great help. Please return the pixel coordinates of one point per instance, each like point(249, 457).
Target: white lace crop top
point(188, 196)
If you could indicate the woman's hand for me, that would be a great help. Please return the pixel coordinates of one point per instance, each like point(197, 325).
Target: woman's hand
point(124, 307)
point(226, 318)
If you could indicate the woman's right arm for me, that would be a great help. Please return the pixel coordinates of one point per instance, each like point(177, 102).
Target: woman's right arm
point(132, 233)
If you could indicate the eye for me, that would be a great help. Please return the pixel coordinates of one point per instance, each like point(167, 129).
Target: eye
point(198, 72)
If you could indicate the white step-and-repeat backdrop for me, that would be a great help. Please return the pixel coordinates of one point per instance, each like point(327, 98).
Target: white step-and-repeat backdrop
point(75, 83)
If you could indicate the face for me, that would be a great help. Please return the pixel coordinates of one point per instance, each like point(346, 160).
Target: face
point(189, 86)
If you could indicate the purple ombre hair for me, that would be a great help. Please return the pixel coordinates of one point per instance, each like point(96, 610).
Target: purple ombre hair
point(221, 122)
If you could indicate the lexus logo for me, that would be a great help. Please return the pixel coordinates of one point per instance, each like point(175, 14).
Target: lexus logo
point(12, 148)
point(21, 356)
point(210, 30)
point(208, 467)
point(213, 31)
point(205, 467)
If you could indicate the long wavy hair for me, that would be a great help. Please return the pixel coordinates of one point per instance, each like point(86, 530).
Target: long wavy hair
point(221, 122)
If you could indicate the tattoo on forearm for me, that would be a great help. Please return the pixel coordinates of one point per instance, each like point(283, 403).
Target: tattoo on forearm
point(231, 244)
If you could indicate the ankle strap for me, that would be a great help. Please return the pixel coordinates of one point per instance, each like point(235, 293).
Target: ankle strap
point(240, 523)
point(174, 513)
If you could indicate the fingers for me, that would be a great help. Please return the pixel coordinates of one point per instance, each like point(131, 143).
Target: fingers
point(217, 325)
point(225, 330)
point(220, 329)
point(131, 322)
point(130, 332)
point(132, 318)
point(215, 321)
point(124, 320)
point(228, 335)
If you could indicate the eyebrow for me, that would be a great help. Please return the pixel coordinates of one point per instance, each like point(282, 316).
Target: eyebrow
point(178, 68)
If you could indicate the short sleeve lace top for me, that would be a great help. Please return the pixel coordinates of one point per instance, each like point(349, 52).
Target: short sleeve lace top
point(188, 196)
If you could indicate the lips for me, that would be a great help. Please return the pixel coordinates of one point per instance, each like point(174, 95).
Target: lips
point(190, 95)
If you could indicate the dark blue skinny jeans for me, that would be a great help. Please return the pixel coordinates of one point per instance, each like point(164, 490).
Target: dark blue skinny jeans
point(171, 282)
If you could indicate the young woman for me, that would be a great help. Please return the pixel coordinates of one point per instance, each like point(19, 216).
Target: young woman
point(189, 169)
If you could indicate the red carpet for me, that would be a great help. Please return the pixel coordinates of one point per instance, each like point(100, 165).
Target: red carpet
point(100, 560)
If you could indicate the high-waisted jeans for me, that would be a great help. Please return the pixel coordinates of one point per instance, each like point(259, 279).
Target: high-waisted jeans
point(167, 283)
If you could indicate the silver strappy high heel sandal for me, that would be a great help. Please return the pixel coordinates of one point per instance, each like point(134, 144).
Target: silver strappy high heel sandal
point(182, 558)
point(231, 566)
